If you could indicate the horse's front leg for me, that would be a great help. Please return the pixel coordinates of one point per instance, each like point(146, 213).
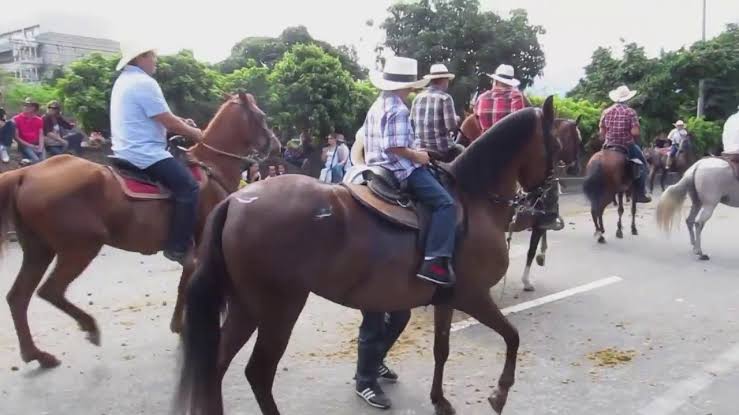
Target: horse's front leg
point(619, 231)
point(442, 325)
point(533, 244)
point(175, 325)
point(542, 257)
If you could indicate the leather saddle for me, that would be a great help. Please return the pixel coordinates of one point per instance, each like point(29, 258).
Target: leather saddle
point(733, 160)
point(634, 172)
point(378, 190)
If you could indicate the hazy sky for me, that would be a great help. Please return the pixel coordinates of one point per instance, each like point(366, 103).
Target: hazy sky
point(574, 27)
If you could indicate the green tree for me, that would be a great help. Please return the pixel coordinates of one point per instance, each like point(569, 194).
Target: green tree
point(706, 134)
point(311, 91)
point(469, 41)
point(17, 92)
point(254, 79)
point(571, 108)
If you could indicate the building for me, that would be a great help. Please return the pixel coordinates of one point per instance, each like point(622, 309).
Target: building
point(32, 54)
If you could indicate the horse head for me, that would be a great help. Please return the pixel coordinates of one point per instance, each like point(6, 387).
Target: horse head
point(239, 116)
point(570, 139)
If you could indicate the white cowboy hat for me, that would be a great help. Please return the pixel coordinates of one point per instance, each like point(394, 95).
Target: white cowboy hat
point(398, 73)
point(679, 123)
point(621, 94)
point(504, 74)
point(130, 50)
point(439, 71)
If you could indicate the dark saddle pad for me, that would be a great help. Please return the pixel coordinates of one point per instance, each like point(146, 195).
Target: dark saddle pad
point(733, 160)
point(127, 170)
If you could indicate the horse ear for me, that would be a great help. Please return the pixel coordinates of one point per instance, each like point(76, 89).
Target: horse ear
point(577, 120)
point(548, 109)
point(242, 98)
point(227, 96)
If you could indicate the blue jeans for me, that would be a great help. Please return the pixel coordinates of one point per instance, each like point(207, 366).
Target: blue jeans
point(30, 153)
point(673, 150)
point(177, 178)
point(428, 191)
point(54, 150)
point(7, 132)
point(636, 153)
point(377, 334)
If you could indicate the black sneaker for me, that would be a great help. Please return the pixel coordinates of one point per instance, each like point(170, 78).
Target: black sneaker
point(176, 256)
point(386, 374)
point(642, 198)
point(438, 271)
point(373, 395)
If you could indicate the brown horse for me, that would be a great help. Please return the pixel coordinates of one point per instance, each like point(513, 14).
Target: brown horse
point(354, 258)
point(39, 200)
point(657, 159)
point(608, 176)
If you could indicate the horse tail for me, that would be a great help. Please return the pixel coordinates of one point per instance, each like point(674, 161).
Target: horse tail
point(204, 301)
point(594, 184)
point(9, 183)
point(672, 199)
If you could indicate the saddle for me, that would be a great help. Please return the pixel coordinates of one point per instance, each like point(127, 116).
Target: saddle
point(733, 160)
point(378, 190)
point(632, 173)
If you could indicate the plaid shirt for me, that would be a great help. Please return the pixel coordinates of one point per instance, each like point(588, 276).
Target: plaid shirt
point(618, 120)
point(496, 103)
point(433, 119)
point(388, 125)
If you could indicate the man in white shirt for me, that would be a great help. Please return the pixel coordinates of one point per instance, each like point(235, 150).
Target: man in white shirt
point(676, 136)
point(731, 135)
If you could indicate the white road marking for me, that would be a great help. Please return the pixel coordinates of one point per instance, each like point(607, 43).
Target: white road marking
point(680, 393)
point(460, 325)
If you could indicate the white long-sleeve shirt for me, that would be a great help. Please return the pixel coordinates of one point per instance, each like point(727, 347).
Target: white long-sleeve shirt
point(731, 135)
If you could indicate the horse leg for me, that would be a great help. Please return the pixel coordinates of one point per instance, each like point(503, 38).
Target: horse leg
point(175, 325)
point(690, 221)
point(633, 217)
point(275, 327)
point(652, 175)
point(36, 259)
point(533, 244)
point(69, 265)
point(542, 257)
point(442, 325)
point(703, 217)
point(601, 235)
point(663, 178)
point(619, 231)
point(484, 309)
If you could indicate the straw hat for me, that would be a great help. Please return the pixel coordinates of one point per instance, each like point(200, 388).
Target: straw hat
point(439, 71)
point(679, 123)
point(504, 74)
point(398, 73)
point(621, 94)
point(130, 50)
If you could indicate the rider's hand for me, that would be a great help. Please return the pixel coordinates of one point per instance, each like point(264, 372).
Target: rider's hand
point(197, 135)
point(422, 158)
point(190, 122)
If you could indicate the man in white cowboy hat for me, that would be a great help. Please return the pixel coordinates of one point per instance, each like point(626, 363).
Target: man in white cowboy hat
point(619, 126)
point(389, 142)
point(676, 137)
point(730, 137)
point(139, 120)
point(432, 113)
point(502, 99)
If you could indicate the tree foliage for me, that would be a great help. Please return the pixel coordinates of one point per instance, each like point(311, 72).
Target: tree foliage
point(469, 41)
point(571, 108)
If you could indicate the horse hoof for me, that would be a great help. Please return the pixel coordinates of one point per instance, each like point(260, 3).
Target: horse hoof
point(175, 326)
point(540, 259)
point(634, 232)
point(47, 361)
point(601, 240)
point(497, 400)
point(619, 234)
point(94, 337)
point(704, 257)
point(529, 288)
point(443, 407)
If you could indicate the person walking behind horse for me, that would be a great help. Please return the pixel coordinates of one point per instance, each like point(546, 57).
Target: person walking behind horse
point(389, 142)
point(139, 121)
point(502, 99)
point(60, 134)
point(619, 126)
point(433, 116)
point(29, 132)
point(676, 137)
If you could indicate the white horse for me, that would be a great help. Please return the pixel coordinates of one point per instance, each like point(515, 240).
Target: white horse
point(709, 181)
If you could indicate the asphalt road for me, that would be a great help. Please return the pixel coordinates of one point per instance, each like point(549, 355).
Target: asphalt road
point(636, 326)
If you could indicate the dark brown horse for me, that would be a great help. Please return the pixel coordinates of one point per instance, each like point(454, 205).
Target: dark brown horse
point(608, 176)
point(38, 200)
point(353, 258)
point(657, 159)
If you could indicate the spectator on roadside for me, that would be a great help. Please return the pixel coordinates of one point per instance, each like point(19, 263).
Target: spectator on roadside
point(250, 174)
point(30, 132)
point(299, 149)
point(60, 134)
point(7, 133)
point(272, 172)
point(281, 169)
point(334, 156)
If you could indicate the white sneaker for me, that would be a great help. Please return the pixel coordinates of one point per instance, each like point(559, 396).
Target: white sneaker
point(4, 154)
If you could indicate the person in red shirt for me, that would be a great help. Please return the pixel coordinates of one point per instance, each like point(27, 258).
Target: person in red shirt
point(503, 99)
point(29, 133)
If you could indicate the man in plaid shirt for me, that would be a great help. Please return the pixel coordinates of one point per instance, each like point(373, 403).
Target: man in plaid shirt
point(432, 113)
point(503, 99)
point(619, 126)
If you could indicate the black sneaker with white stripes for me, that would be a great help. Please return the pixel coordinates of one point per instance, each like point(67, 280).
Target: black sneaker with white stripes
point(373, 395)
point(387, 374)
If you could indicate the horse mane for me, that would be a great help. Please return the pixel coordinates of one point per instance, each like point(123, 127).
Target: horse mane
point(487, 157)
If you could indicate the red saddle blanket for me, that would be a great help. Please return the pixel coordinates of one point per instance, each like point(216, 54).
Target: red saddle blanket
point(136, 188)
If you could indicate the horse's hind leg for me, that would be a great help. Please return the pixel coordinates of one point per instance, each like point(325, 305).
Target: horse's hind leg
point(483, 308)
point(634, 231)
point(175, 325)
point(69, 265)
point(36, 259)
point(703, 217)
point(442, 325)
point(533, 245)
point(690, 220)
point(619, 231)
point(276, 323)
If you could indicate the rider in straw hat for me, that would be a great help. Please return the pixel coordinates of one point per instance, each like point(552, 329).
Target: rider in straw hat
point(432, 113)
point(730, 137)
point(676, 137)
point(389, 142)
point(502, 99)
point(139, 120)
point(619, 126)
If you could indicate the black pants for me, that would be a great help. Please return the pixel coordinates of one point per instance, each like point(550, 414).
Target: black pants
point(177, 178)
point(377, 334)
